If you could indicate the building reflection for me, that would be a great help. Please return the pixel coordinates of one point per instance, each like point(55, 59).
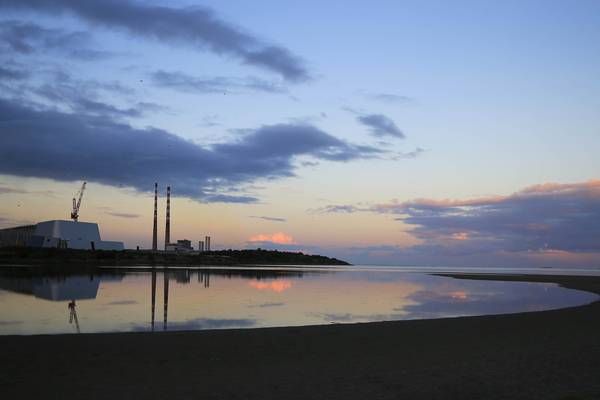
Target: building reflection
point(71, 287)
point(56, 288)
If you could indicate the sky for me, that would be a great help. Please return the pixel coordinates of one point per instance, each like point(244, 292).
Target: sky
point(398, 133)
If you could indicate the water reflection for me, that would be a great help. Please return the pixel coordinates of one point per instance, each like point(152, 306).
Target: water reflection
point(166, 299)
point(73, 315)
point(153, 297)
point(97, 300)
point(53, 288)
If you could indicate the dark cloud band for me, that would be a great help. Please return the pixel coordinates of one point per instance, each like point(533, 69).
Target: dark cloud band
point(544, 219)
point(197, 27)
point(65, 146)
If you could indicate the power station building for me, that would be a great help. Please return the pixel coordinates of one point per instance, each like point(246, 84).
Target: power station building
point(179, 246)
point(57, 233)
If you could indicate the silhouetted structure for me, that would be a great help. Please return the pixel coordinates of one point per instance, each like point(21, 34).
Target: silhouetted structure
point(181, 246)
point(155, 226)
point(207, 243)
point(168, 219)
point(19, 236)
point(200, 246)
point(77, 203)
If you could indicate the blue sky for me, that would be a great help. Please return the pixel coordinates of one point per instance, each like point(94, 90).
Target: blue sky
point(286, 110)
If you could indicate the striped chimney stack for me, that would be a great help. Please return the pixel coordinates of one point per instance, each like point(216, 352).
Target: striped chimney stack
point(168, 225)
point(154, 237)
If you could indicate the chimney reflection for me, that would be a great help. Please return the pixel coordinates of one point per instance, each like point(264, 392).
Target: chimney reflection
point(181, 276)
point(166, 292)
point(204, 277)
point(153, 295)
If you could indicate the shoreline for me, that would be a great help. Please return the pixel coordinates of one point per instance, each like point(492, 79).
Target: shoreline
point(31, 256)
point(549, 354)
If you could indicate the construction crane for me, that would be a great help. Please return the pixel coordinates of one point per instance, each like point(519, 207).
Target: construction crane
point(77, 203)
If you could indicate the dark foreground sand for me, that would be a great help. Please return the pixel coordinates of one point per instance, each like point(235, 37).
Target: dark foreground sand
point(541, 355)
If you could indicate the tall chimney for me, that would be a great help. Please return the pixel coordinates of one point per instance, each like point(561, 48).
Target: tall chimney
point(168, 226)
point(154, 242)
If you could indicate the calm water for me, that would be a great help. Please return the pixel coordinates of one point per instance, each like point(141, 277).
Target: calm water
point(182, 299)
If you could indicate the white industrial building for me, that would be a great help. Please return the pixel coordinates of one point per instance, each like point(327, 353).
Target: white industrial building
point(71, 235)
point(60, 234)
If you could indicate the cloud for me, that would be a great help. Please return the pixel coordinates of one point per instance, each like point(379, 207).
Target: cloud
point(197, 27)
point(79, 96)
point(29, 38)
point(85, 97)
point(228, 198)
point(380, 125)
point(220, 84)
point(551, 216)
point(337, 208)
point(268, 245)
point(11, 222)
point(383, 97)
point(548, 223)
point(267, 304)
point(68, 147)
point(8, 190)
point(272, 219)
point(541, 225)
point(13, 74)
point(389, 98)
point(278, 238)
point(122, 302)
point(210, 121)
point(123, 215)
point(409, 154)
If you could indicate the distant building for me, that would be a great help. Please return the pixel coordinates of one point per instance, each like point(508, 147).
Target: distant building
point(18, 236)
point(181, 245)
point(57, 233)
point(207, 243)
point(200, 246)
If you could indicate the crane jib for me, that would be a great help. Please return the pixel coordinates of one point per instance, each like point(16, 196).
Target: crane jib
point(77, 202)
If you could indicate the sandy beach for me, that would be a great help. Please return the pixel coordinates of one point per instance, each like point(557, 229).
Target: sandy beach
point(539, 355)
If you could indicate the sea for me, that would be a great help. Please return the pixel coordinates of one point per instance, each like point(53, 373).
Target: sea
point(37, 300)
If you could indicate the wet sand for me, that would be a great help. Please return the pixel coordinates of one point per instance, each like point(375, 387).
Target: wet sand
point(538, 355)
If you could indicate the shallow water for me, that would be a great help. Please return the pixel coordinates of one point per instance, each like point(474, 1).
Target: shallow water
point(142, 299)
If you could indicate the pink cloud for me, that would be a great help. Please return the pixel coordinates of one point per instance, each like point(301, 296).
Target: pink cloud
point(279, 238)
point(589, 189)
